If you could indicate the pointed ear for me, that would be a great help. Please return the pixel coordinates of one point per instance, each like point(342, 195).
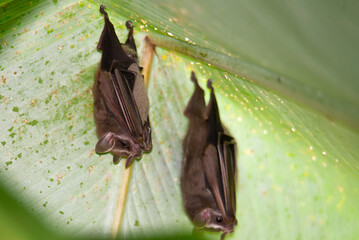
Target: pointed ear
point(106, 143)
point(202, 218)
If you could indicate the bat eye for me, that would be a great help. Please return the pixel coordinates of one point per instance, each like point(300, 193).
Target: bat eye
point(219, 219)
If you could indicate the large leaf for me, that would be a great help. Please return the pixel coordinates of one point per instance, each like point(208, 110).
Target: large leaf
point(298, 171)
point(303, 50)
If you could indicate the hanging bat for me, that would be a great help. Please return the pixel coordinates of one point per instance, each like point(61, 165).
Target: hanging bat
point(120, 99)
point(209, 166)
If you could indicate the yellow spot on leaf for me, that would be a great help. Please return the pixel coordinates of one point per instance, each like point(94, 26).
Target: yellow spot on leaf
point(59, 177)
point(249, 151)
point(312, 218)
point(3, 79)
point(340, 189)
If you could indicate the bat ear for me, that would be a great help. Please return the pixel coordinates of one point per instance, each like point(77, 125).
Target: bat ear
point(202, 218)
point(106, 143)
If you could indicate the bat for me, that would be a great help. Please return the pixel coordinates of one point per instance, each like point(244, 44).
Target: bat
point(121, 105)
point(209, 169)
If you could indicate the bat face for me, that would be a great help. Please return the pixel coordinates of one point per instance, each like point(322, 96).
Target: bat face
point(212, 219)
point(120, 98)
point(209, 171)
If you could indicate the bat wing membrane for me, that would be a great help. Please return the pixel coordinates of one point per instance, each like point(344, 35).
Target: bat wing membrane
point(119, 101)
point(211, 167)
point(227, 161)
point(127, 103)
point(220, 170)
point(222, 161)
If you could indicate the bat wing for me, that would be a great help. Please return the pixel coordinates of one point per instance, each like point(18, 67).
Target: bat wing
point(120, 103)
point(227, 160)
point(219, 161)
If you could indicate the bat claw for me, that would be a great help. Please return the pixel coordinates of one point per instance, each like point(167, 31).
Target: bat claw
point(103, 12)
point(102, 9)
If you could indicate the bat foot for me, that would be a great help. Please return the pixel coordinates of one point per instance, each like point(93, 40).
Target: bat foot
point(102, 9)
point(129, 24)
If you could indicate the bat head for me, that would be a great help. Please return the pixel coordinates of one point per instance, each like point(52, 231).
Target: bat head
point(213, 220)
point(119, 146)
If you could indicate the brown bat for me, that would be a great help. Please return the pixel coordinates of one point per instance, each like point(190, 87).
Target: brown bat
point(209, 166)
point(120, 98)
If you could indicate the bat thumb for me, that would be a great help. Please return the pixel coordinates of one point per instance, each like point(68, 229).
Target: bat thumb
point(129, 160)
point(223, 235)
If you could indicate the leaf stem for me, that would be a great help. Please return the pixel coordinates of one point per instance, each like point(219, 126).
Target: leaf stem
point(121, 203)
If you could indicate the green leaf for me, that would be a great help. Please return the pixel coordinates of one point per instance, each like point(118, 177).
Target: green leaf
point(303, 50)
point(298, 171)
